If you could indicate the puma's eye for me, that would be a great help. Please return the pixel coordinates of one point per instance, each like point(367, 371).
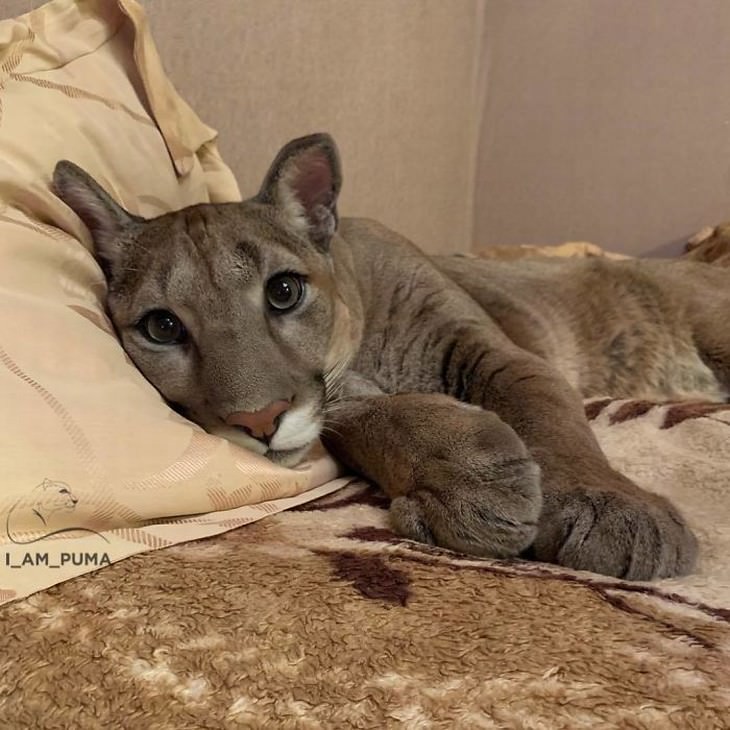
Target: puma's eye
point(162, 328)
point(284, 291)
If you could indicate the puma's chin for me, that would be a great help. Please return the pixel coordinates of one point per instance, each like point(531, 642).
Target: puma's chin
point(289, 458)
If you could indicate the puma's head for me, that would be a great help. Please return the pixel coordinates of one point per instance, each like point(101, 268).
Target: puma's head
point(232, 311)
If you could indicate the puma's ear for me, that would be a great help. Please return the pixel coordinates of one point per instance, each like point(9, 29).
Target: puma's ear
point(104, 218)
point(304, 181)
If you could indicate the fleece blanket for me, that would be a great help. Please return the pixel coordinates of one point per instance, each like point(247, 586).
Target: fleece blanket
point(320, 617)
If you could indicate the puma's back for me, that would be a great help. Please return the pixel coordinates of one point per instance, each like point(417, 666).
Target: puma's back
point(627, 329)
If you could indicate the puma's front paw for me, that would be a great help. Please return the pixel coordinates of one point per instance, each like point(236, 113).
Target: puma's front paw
point(627, 533)
point(477, 497)
point(458, 476)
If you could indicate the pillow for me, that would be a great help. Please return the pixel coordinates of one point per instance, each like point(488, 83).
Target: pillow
point(94, 465)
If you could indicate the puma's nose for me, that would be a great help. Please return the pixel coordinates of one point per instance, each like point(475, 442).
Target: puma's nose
point(261, 424)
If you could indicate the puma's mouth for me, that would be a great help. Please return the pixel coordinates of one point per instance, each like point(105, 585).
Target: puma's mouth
point(284, 457)
point(297, 431)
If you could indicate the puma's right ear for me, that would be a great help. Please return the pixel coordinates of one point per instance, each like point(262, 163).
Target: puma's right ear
point(303, 182)
point(104, 218)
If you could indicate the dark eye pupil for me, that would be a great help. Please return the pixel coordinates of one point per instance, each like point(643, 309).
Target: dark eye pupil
point(284, 292)
point(165, 324)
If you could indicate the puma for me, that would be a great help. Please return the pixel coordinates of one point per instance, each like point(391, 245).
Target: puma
point(454, 384)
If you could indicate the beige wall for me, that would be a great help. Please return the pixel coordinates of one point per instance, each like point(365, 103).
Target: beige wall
point(393, 80)
point(606, 120)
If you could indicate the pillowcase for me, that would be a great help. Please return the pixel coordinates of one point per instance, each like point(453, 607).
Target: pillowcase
point(93, 463)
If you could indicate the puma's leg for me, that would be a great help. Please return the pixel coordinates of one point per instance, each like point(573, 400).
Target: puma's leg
point(712, 336)
point(457, 475)
point(703, 293)
point(593, 518)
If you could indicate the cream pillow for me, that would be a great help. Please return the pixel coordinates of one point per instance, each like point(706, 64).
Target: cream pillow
point(85, 441)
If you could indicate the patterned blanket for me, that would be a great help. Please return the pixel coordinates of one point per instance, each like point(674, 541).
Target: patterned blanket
point(319, 617)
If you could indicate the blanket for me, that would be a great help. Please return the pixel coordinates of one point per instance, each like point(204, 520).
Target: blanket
point(320, 617)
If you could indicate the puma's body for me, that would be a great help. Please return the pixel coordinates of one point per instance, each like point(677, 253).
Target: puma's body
point(627, 329)
point(455, 384)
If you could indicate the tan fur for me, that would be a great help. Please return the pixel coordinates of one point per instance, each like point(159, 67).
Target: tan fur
point(454, 384)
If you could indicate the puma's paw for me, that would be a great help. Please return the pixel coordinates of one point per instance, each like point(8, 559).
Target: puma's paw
point(477, 505)
point(459, 476)
point(627, 534)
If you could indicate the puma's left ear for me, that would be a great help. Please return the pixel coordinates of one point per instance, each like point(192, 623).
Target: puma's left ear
point(105, 219)
point(304, 182)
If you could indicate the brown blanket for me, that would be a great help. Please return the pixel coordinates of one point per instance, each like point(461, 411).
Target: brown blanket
point(321, 618)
